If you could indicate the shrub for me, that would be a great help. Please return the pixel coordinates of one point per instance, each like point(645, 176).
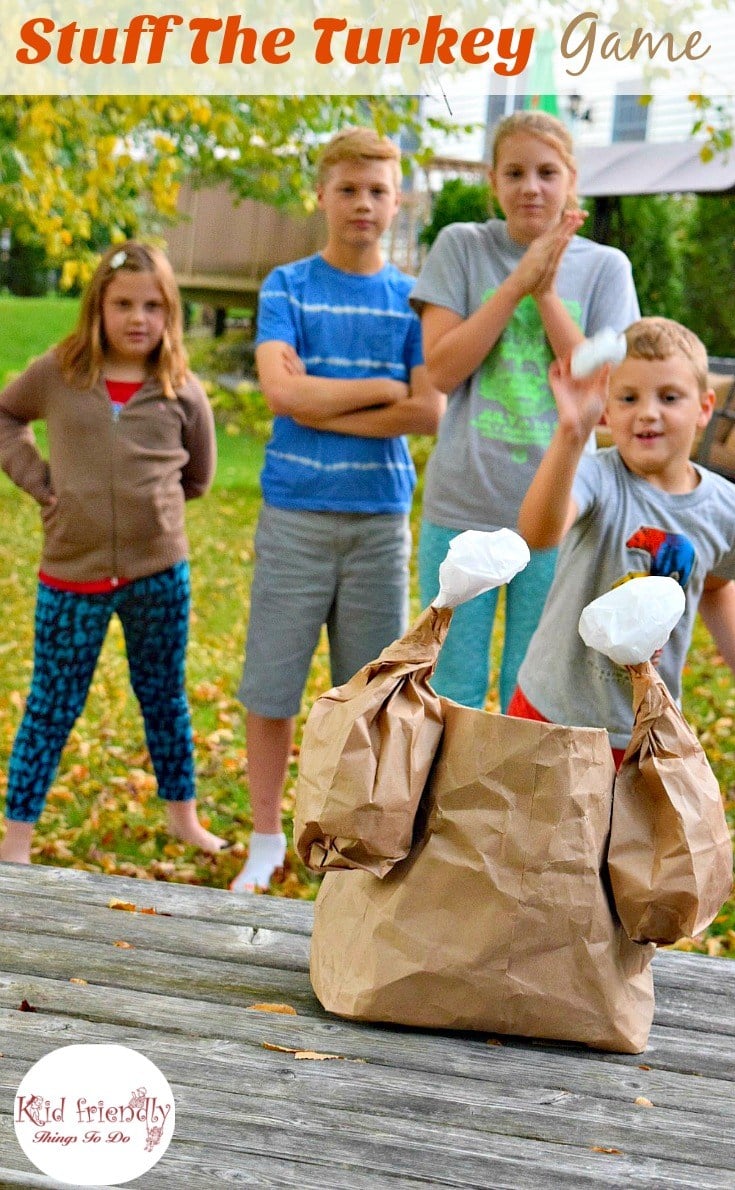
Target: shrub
point(458, 202)
point(651, 230)
point(708, 306)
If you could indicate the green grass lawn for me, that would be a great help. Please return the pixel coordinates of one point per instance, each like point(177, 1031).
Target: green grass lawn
point(28, 326)
point(102, 812)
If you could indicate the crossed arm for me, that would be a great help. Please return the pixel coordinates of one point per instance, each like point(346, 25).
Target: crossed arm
point(377, 407)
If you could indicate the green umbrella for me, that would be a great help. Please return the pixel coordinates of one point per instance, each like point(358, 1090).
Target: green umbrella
point(541, 85)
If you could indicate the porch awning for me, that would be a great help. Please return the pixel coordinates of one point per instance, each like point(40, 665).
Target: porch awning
point(649, 167)
point(631, 167)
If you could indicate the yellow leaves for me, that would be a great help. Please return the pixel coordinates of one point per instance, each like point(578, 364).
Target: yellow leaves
point(80, 982)
point(202, 113)
point(124, 945)
point(106, 146)
point(60, 794)
point(641, 1101)
point(163, 143)
point(606, 1149)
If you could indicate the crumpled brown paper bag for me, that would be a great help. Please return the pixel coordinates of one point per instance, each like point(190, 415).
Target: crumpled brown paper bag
point(500, 918)
point(366, 753)
point(670, 857)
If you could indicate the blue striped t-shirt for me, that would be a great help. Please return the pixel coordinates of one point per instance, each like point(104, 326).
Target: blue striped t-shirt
point(341, 325)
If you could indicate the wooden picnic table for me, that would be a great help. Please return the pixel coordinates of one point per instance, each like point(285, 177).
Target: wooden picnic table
point(395, 1107)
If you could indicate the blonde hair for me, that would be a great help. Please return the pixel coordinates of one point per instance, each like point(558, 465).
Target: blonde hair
point(548, 129)
point(356, 145)
point(657, 338)
point(82, 353)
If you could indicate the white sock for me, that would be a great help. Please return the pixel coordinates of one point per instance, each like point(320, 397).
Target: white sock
point(266, 854)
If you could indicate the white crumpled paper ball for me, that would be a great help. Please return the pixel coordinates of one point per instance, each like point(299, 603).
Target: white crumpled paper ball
point(478, 562)
point(629, 623)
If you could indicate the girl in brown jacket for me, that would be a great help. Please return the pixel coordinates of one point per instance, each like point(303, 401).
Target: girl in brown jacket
point(131, 437)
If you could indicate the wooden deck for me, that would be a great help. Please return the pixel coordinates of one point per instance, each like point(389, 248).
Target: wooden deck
point(395, 1107)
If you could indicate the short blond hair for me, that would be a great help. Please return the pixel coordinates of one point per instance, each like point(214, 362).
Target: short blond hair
point(546, 128)
point(657, 338)
point(358, 144)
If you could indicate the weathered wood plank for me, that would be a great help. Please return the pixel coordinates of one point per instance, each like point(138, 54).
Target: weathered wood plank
point(386, 1146)
point(354, 1148)
point(410, 1049)
point(410, 1108)
point(219, 940)
point(357, 1096)
point(102, 962)
point(129, 973)
point(32, 1181)
point(189, 1167)
point(687, 1005)
point(512, 1063)
point(183, 900)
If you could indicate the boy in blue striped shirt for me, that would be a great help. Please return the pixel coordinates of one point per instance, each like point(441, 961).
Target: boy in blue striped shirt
point(340, 365)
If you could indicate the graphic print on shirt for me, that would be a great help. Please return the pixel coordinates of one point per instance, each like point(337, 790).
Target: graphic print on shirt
point(513, 381)
point(670, 555)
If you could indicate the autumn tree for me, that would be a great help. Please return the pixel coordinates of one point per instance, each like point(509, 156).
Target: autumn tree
point(80, 172)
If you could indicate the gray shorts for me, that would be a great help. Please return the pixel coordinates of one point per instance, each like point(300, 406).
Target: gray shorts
point(346, 570)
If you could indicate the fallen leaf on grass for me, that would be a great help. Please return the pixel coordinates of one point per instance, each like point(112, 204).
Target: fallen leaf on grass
point(641, 1101)
point(286, 1009)
point(124, 945)
point(83, 982)
point(643, 1066)
point(605, 1149)
point(26, 1007)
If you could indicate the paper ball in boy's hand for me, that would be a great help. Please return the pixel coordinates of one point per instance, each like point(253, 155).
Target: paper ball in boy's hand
point(631, 622)
point(478, 562)
point(606, 347)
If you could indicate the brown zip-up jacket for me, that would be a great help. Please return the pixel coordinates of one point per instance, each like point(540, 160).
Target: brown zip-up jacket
point(120, 482)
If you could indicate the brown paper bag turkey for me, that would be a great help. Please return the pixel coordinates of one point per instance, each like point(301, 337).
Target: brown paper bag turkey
point(670, 856)
point(366, 753)
point(500, 918)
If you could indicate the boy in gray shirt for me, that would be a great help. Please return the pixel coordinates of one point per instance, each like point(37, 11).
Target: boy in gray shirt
point(640, 507)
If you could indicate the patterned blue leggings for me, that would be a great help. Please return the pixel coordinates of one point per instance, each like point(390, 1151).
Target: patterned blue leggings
point(70, 631)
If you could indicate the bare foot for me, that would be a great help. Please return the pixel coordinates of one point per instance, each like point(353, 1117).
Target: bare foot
point(184, 825)
point(16, 846)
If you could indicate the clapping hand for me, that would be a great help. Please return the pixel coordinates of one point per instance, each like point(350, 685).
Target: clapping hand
point(539, 265)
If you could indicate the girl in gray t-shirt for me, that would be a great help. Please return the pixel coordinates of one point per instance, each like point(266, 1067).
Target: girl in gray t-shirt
point(498, 301)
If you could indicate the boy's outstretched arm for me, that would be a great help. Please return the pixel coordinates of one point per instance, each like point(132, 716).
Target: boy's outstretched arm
point(293, 393)
point(419, 413)
point(548, 511)
point(717, 609)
